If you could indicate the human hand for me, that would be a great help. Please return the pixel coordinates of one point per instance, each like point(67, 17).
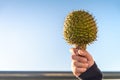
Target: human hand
point(81, 61)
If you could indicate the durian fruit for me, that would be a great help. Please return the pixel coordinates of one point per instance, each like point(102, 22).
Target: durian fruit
point(80, 29)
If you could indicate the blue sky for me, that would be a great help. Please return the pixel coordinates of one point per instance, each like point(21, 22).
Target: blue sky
point(31, 34)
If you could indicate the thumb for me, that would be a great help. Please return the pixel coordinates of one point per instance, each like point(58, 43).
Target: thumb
point(84, 53)
point(74, 51)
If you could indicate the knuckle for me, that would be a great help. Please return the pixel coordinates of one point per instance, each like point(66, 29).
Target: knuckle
point(73, 57)
point(74, 63)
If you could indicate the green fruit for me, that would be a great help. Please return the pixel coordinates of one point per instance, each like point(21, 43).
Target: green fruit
point(80, 29)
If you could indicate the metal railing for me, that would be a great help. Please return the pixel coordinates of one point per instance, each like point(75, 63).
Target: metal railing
point(38, 75)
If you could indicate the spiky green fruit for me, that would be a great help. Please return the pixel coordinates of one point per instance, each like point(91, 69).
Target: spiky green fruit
point(80, 28)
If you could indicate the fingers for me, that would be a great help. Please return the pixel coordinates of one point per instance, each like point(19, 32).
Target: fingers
point(82, 53)
point(81, 61)
point(78, 71)
point(74, 51)
point(79, 58)
point(85, 54)
point(79, 64)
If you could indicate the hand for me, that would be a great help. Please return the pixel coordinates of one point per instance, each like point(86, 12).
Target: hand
point(81, 61)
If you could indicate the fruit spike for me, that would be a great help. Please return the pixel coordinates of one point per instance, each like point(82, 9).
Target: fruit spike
point(80, 29)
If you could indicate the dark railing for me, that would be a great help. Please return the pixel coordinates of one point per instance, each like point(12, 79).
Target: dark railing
point(38, 75)
point(111, 75)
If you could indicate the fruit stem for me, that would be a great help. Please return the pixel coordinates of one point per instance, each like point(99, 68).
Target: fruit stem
point(83, 47)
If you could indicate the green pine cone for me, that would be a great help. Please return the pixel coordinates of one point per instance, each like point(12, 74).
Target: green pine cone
point(80, 28)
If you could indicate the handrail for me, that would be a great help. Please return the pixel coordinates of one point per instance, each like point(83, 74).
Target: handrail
point(51, 74)
point(111, 75)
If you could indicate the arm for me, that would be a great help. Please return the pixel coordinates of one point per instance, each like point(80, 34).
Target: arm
point(83, 65)
point(93, 73)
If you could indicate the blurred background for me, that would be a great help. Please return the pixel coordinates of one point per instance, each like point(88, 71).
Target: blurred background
point(31, 34)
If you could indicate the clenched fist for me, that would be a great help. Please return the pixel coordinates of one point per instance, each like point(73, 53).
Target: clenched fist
point(81, 61)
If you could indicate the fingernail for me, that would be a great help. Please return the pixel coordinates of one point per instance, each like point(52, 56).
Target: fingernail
point(80, 52)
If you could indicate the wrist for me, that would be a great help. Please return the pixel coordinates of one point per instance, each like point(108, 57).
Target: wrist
point(93, 73)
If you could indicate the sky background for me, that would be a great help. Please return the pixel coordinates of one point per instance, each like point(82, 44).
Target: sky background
point(31, 34)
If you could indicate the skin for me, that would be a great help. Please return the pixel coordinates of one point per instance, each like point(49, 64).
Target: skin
point(81, 61)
